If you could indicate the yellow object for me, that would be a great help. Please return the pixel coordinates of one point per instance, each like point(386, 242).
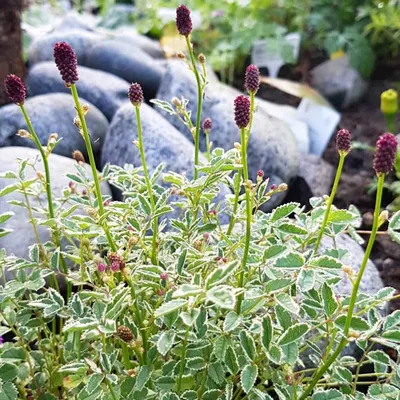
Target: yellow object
point(337, 54)
point(389, 102)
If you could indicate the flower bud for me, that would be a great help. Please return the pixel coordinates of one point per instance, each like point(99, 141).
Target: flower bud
point(125, 333)
point(24, 134)
point(237, 146)
point(202, 58)
point(242, 111)
point(282, 187)
point(176, 102)
point(85, 108)
point(163, 276)
point(252, 79)
point(53, 138)
point(117, 263)
point(15, 89)
point(389, 102)
point(135, 94)
point(207, 125)
point(273, 186)
point(385, 154)
point(343, 141)
point(66, 62)
point(183, 20)
point(78, 156)
point(101, 267)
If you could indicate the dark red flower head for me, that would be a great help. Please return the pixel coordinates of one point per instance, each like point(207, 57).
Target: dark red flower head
point(207, 124)
point(343, 141)
point(135, 94)
point(183, 20)
point(15, 89)
point(66, 62)
point(252, 79)
point(385, 154)
point(242, 111)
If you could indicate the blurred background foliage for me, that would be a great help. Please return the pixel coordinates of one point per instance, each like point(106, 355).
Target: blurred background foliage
point(363, 29)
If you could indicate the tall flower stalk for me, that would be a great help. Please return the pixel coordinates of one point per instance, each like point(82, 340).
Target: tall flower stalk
point(184, 26)
point(66, 62)
point(252, 84)
point(386, 148)
point(343, 146)
point(135, 95)
point(16, 91)
point(242, 119)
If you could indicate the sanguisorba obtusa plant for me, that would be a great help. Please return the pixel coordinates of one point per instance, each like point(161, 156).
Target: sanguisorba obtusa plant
point(191, 309)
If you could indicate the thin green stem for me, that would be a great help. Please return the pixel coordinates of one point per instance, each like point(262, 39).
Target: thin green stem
point(320, 372)
point(208, 146)
point(44, 160)
point(89, 149)
point(248, 215)
point(183, 359)
point(235, 204)
point(114, 396)
point(148, 184)
point(199, 106)
point(330, 201)
point(390, 122)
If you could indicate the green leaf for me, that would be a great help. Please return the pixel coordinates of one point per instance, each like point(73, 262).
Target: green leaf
point(144, 204)
point(273, 251)
point(278, 284)
point(170, 396)
point(6, 216)
point(329, 300)
point(287, 302)
point(8, 372)
point(216, 372)
point(292, 229)
point(283, 211)
point(9, 189)
point(290, 261)
point(331, 394)
point(196, 363)
point(343, 375)
point(232, 321)
point(357, 324)
point(267, 332)
point(231, 361)
point(275, 354)
point(326, 262)
point(220, 346)
point(222, 296)
point(293, 334)
point(392, 335)
point(290, 353)
point(247, 344)
point(143, 376)
point(221, 274)
point(306, 280)
point(379, 357)
point(169, 307)
point(94, 382)
point(392, 320)
point(74, 368)
point(8, 391)
point(187, 290)
point(165, 342)
point(13, 354)
point(181, 261)
point(248, 377)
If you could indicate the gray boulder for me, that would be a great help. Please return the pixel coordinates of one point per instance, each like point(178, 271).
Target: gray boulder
point(81, 41)
point(272, 146)
point(106, 91)
point(52, 113)
point(152, 47)
point(75, 21)
point(128, 62)
point(22, 237)
point(339, 82)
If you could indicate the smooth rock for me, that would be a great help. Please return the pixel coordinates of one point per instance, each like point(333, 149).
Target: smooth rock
point(314, 179)
point(81, 41)
point(162, 144)
point(127, 34)
point(52, 113)
point(272, 146)
point(106, 91)
point(339, 82)
point(128, 62)
point(22, 237)
point(75, 21)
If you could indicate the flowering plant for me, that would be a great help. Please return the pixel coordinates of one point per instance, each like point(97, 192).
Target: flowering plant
point(153, 297)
